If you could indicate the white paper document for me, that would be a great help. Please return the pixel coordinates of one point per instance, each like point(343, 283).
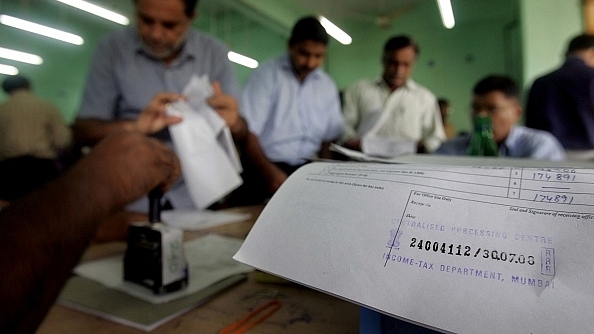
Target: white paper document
point(203, 142)
point(386, 147)
point(458, 249)
point(189, 220)
point(358, 155)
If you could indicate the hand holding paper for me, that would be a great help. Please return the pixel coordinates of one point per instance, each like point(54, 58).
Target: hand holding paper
point(154, 117)
point(210, 162)
point(224, 105)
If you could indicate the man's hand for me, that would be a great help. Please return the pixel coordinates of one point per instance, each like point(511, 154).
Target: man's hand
point(353, 144)
point(45, 232)
point(226, 106)
point(153, 117)
point(132, 164)
point(274, 177)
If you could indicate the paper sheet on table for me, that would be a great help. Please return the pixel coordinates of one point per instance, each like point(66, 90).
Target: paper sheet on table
point(358, 155)
point(453, 160)
point(209, 261)
point(189, 220)
point(386, 147)
point(459, 249)
point(203, 142)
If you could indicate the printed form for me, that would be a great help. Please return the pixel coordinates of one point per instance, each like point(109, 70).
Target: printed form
point(457, 249)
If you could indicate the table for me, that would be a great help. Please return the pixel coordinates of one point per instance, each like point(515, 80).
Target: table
point(303, 310)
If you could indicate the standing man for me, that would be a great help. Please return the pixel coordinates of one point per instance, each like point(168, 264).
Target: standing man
point(33, 136)
point(292, 106)
point(137, 72)
point(562, 102)
point(498, 97)
point(393, 106)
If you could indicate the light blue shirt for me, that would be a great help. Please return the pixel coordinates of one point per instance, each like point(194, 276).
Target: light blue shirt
point(522, 142)
point(123, 79)
point(292, 119)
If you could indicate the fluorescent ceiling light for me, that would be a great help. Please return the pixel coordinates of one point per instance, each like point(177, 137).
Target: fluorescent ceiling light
point(20, 56)
point(447, 14)
point(96, 10)
point(9, 70)
point(242, 60)
point(41, 30)
point(335, 31)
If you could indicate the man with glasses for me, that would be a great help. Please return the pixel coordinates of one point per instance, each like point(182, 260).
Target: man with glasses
point(498, 97)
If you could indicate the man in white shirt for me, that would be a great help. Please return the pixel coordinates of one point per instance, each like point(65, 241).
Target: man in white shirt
point(393, 106)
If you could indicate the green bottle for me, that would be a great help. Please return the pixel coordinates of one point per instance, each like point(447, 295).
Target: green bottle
point(482, 142)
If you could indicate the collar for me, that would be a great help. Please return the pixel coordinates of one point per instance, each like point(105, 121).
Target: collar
point(512, 140)
point(408, 85)
point(285, 64)
point(574, 59)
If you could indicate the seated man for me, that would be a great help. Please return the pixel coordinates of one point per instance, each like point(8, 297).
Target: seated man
point(499, 98)
point(33, 138)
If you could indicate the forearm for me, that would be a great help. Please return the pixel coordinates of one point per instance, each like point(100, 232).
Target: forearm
point(434, 139)
point(430, 144)
point(239, 132)
point(90, 131)
point(43, 235)
point(351, 116)
point(325, 152)
point(53, 235)
point(273, 175)
point(433, 131)
point(255, 152)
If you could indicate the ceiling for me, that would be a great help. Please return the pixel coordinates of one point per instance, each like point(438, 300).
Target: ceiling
point(277, 12)
point(278, 15)
point(373, 11)
point(233, 21)
point(281, 14)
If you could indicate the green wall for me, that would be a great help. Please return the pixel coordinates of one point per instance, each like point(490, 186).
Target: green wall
point(450, 61)
point(520, 38)
point(547, 27)
point(62, 75)
point(242, 34)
